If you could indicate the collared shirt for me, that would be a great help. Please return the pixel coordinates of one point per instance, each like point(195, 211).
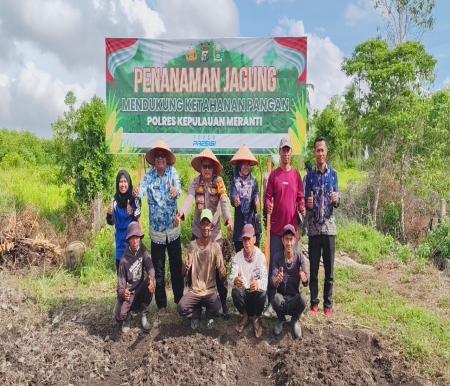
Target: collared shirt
point(320, 218)
point(162, 207)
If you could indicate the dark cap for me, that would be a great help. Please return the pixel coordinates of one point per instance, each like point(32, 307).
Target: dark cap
point(134, 229)
point(248, 231)
point(285, 141)
point(289, 228)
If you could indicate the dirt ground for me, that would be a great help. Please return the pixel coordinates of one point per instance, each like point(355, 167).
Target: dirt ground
point(81, 345)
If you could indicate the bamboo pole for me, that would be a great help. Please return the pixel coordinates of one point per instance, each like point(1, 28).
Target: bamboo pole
point(269, 217)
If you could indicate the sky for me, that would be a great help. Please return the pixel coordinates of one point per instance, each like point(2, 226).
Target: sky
point(49, 47)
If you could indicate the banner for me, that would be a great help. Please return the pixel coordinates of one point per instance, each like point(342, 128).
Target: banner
point(216, 93)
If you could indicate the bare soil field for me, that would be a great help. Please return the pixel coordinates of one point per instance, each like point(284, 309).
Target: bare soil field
point(81, 345)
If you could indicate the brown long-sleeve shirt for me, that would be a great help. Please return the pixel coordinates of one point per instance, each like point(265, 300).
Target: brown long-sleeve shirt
point(205, 261)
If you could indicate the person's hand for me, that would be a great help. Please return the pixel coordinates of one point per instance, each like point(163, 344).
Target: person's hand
point(129, 209)
point(222, 271)
point(136, 191)
point(254, 286)
point(279, 278)
point(178, 219)
point(270, 206)
point(152, 286)
point(303, 211)
point(237, 201)
point(173, 191)
point(303, 278)
point(310, 202)
point(127, 295)
point(230, 225)
point(110, 208)
point(239, 280)
point(334, 198)
point(187, 265)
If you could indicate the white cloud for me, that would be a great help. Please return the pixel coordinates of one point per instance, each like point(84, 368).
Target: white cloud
point(52, 46)
point(324, 63)
point(357, 12)
point(199, 18)
point(446, 83)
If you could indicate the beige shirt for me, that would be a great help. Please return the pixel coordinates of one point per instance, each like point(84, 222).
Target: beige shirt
point(205, 262)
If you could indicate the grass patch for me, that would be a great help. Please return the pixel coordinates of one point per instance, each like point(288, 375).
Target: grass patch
point(37, 188)
point(367, 242)
point(423, 335)
point(350, 176)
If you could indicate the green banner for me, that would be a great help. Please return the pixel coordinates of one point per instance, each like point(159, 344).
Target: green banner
point(218, 93)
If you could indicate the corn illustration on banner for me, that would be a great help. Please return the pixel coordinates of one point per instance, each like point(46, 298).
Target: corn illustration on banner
point(216, 93)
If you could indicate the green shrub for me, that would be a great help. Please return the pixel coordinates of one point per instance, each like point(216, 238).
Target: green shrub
point(98, 262)
point(437, 243)
point(390, 219)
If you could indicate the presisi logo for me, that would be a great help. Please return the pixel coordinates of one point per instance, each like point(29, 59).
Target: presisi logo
point(203, 143)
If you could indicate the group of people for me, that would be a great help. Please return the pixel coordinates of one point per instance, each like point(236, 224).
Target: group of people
point(201, 280)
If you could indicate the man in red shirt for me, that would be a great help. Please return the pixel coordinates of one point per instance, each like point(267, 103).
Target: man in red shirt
point(284, 201)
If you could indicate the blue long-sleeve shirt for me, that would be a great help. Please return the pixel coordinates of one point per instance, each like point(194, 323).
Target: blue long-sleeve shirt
point(162, 207)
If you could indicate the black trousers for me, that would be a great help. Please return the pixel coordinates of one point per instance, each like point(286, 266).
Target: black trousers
point(292, 305)
point(158, 252)
point(249, 302)
point(322, 245)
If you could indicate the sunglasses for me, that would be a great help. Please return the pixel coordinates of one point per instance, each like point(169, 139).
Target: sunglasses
point(160, 155)
point(207, 166)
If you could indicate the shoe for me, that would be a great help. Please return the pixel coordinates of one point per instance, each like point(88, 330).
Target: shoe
point(126, 324)
point(278, 327)
point(269, 312)
point(226, 315)
point(242, 324)
point(315, 311)
point(194, 323)
point(210, 323)
point(329, 313)
point(145, 323)
point(257, 327)
point(296, 329)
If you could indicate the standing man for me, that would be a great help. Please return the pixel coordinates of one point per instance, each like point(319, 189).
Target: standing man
point(322, 197)
point(289, 269)
point(161, 185)
point(204, 259)
point(249, 276)
point(284, 201)
point(208, 191)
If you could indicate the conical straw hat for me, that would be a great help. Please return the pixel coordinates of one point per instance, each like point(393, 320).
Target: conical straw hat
point(244, 154)
point(161, 145)
point(206, 154)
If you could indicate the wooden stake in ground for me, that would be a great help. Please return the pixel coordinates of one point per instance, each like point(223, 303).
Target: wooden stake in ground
point(268, 220)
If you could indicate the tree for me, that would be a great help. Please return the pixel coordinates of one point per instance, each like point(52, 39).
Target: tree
point(329, 124)
point(81, 148)
point(406, 18)
point(386, 85)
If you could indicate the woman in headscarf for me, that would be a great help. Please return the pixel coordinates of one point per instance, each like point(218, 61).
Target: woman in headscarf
point(124, 209)
point(244, 196)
